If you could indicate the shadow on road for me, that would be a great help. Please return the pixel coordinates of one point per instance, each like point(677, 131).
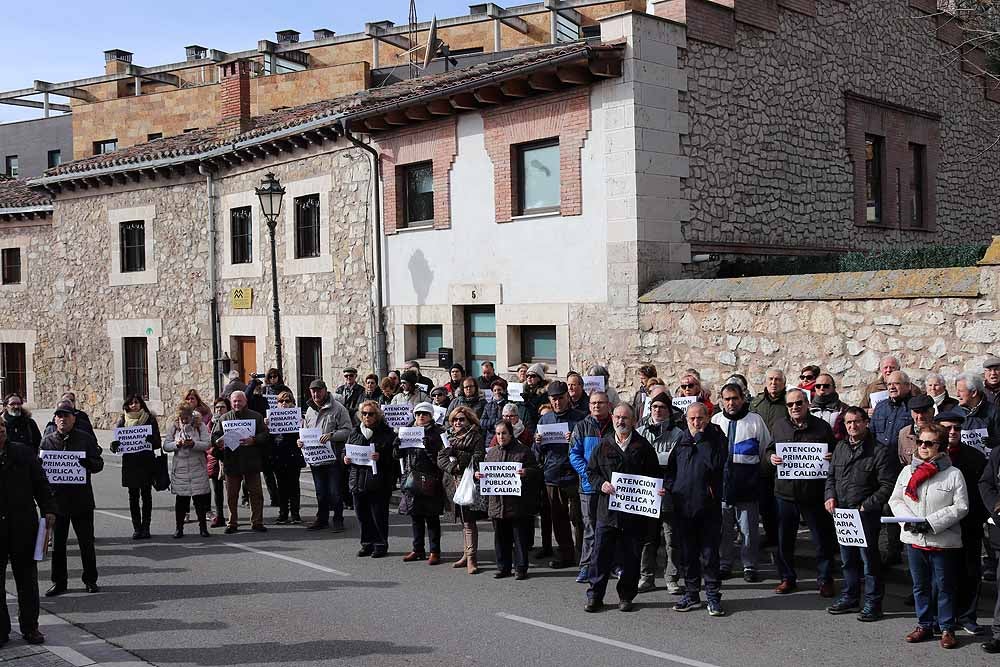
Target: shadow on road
point(277, 653)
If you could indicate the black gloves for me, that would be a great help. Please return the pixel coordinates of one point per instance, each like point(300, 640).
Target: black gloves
point(918, 528)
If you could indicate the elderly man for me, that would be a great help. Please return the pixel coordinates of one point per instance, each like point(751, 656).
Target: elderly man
point(886, 367)
point(426, 383)
point(23, 486)
point(890, 418)
point(577, 396)
point(921, 414)
point(331, 417)
point(770, 405)
point(351, 393)
point(981, 428)
point(991, 379)
point(936, 388)
point(586, 437)
point(826, 404)
point(618, 533)
point(74, 503)
point(488, 376)
point(243, 464)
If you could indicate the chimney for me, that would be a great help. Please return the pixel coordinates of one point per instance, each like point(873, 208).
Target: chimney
point(116, 61)
point(322, 33)
point(287, 36)
point(235, 97)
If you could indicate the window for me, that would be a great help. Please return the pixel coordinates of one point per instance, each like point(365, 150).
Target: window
point(874, 159)
point(481, 332)
point(105, 147)
point(12, 166)
point(55, 158)
point(135, 366)
point(310, 354)
point(538, 177)
point(152, 136)
point(189, 129)
point(14, 368)
point(133, 246)
point(418, 190)
point(918, 172)
point(307, 226)
point(10, 258)
point(241, 234)
point(538, 344)
point(429, 339)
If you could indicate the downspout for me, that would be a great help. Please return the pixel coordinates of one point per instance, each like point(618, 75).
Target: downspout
point(213, 304)
point(380, 362)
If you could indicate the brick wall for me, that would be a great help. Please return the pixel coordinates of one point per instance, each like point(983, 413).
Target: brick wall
point(563, 115)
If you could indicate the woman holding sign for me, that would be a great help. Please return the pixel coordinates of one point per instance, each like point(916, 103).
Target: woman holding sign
point(465, 448)
point(931, 495)
point(188, 439)
point(422, 494)
point(371, 482)
point(138, 462)
point(287, 463)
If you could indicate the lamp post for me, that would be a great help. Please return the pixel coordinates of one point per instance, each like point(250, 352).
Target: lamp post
point(270, 194)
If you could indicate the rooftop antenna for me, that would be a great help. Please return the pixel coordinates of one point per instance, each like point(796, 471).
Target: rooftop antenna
point(436, 46)
point(413, 38)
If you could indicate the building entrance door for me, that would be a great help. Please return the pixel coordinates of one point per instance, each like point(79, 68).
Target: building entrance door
point(246, 352)
point(480, 337)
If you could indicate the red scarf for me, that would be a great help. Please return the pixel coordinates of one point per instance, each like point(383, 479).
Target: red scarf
point(924, 472)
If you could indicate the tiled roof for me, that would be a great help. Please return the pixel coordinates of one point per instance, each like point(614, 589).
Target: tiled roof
point(15, 193)
point(200, 141)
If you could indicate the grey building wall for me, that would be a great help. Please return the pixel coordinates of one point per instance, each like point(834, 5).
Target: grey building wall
point(31, 141)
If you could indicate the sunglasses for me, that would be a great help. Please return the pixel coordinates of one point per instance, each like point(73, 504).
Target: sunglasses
point(807, 378)
point(286, 401)
point(930, 443)
point(824, 386)
point(458, 420)
point(955, 427)
point(372, 414)
point(795, 404)
point(688, 386)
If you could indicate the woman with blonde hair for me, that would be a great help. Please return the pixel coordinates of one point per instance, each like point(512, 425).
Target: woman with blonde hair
point(371, 485)
point(287, 462)
point(188, 439)
point(465, 448)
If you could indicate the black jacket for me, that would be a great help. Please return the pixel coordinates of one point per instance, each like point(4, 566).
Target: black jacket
point(139, 469)
point(285, 453)
point(805, 491)
point(73, 499)
point(245, 459)
point(22, 429)
point(971, 462)
point(360, 478)
point(351, 397)
point(861, 477)
point(82, 424)
point(639, 458)
point(554, 457)
point(22, 487)
point(989, 492)
point(526, 504)
point(694, 472)
point(422, 461)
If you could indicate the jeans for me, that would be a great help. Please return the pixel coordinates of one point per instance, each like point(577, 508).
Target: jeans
point(142, 513)
point(748, 516)
point(25, 571)
point(510, 542)
point(933, 573)
point(663, 539)
point(698, 545)
point(823, 535)
point(329, 493)
point(854, 558)
point(564, 503)
point(83, 527)
point(373, 515)
point(289, 492)
point(610, 544)
point(254, 491)
point(588, 515)
point(433, 528)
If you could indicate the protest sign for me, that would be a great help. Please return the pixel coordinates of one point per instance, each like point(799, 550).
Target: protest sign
point(411, 437)
point(132, 439)
point(272, 401)
point(63, 467)
point(284, 420)
point(636, 494)
point(360, 455)
point(515, 392)
point(553, 434)
point(40, 539)
point(439, 412)
point(488, 395)
point(499, 479)
point(877, 397)
point(592, 383)
point(424, 388)
point(976, 437)
point(313, 451)
point(683, 402)
point(850, 530)
point(235, 430)
point(444, 440)
point(398, 415)
point(802, 460)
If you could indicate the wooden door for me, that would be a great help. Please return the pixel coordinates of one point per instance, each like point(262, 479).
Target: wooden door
point(247, 350)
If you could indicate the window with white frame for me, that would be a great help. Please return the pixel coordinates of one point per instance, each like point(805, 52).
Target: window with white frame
point(133, 248)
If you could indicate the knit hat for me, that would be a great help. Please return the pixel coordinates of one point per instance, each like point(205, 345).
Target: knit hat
point(424, 407)
point(537, 369)
point(410, 377)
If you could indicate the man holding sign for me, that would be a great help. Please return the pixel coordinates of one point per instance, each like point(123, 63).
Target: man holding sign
point(861, 478)
point(981, 428)
point(243, 462)
point(624, 530)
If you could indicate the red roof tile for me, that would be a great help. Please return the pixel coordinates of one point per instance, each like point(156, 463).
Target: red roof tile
point(15, 193)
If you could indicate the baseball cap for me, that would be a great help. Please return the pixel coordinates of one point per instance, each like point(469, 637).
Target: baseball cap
point(65, 407)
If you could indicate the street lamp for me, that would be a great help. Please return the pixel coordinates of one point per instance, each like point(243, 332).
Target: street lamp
point(270, 194)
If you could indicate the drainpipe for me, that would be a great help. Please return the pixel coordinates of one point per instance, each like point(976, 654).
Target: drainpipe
point(213, 304)
point(380, 362)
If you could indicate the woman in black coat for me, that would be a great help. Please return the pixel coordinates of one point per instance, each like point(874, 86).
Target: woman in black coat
point(287, 463)
point(139, 468)
point(370, 485)
point(422, 493)
point(20, 425)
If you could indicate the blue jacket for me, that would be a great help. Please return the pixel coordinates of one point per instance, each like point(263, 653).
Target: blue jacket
point(888, 419)
point(694, 472)
point(984, 417)
point(556, 466)
point(747, 437)
point(586, 437)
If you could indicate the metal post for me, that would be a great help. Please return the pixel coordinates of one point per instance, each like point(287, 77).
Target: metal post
point(45, 104)
point(496, 35)
point(271, 224)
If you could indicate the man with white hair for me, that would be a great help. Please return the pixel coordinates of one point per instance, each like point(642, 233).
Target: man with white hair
point(938, 390)
point(886, 367)
point(991, 379)
point(981, 427)
point(889, 418)
point(243, 464)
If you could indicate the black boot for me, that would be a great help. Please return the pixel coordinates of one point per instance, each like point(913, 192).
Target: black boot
point(147, 519)
point(203, 526)
point(179, 518)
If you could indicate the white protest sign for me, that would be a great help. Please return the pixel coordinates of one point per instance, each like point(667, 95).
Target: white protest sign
point(272, 402)
point(284, 420)
point(592, 383)
point(802, 460)
point(488, 394)
point(132, 439)
point(424, 388)
point(445, 441)
point(235, 430)
point(411, 437)
point(515, 391)
point(360, 455)
point(40, 540)
point(850, 530)
point(877, 397)
point(63, 467)
point(499, 479)
point(439, 412)
point(684, 402)
point(636, 494)
point(976, 437)
point(553, 434)
point(315, 453)
point(400, 414)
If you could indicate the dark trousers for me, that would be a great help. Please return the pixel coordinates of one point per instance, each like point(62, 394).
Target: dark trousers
point(83, 528)
point(219, 492)
point(820, 524)
point(432, 525)
point(567, 524)
point(610, 542)
point(933, 574)
point(142, 513)
point(698, 540)
point(329, 492)
point(970, 568)
point(25, 572)
point(373, 515)
point(768, 508)
point(510, 542)
point(866, 561)
point(271, 481)
point(289, 492)
point(182, 505)
point(545, 519)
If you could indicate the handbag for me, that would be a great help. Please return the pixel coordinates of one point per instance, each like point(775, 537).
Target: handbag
point(161, 474)
point(421, 484)
point(465, 495)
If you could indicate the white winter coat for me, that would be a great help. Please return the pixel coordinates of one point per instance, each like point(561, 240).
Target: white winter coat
point(189, 474)
point(943, 502)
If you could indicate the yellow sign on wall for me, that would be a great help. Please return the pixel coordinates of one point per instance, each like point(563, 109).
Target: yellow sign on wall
point(241, 297)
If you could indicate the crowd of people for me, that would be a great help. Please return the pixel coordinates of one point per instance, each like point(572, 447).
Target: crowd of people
point(908, 452)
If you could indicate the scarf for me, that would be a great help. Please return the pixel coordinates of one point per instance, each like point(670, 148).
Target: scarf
point(518, 429)
point(922, 471)
point(366, 432)
point(136, 419)
point(825, 401)
point(940, 397)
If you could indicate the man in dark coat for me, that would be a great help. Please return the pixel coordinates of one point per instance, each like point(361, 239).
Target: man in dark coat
point(619, 533)
point(22, 487)
point(82, 418)
point(243, 464)
point(74, 503)
point(21, 427)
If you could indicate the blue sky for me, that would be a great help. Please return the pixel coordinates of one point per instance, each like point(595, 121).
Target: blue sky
point(58, 40)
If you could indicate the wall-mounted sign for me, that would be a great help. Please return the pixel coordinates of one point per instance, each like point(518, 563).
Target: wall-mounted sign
point(241, 297)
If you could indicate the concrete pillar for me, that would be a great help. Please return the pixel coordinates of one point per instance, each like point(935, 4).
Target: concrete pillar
point(374, 52)
point(496, 35)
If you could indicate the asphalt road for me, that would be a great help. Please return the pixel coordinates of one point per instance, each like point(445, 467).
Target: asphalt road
point(297, 597)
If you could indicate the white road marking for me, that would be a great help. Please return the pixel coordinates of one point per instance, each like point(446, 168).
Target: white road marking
point(670, 657)
point(112, 514)
point(69, 655)
point(297, 561)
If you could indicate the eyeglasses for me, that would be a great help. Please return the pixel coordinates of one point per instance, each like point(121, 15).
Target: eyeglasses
point(287, 401)
point(458, 420)
point(598, 402)
point(953, 427)
point(369, 413)
point(930, 443)
point(823, 386)
point(688, 386)
point(807, 378)
point(795, 404)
